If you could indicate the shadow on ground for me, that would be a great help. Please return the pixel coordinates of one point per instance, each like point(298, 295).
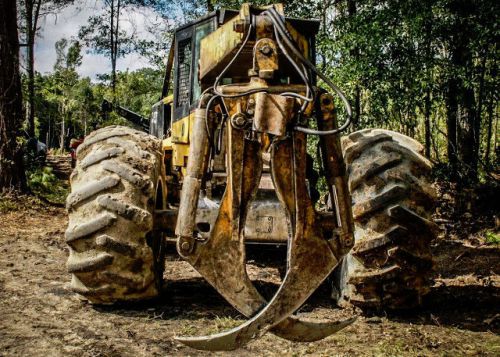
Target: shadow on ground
point(463, 295)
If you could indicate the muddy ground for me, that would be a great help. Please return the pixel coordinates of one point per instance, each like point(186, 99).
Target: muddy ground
point(40, 317)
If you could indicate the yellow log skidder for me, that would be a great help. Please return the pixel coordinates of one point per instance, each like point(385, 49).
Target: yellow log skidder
point(225, 165)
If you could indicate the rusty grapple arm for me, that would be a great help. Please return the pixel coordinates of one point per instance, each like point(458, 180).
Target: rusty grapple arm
point(266, 116)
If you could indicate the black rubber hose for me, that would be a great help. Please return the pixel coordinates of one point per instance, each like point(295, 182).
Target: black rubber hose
point(281, 29)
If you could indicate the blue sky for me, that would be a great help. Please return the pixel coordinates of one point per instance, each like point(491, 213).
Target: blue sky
point(67, 24)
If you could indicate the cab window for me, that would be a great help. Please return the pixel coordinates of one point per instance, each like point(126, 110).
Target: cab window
point(183, 72)
point(201, 31)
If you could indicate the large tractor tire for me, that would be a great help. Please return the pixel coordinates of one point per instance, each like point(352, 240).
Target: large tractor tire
point(114, 255)
point(389, 265)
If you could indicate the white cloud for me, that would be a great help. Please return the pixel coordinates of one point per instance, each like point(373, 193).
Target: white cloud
point(67, 24)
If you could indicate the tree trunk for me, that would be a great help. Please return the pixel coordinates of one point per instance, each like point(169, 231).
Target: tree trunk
point(30, 59)
point(115, 45)
point(112, 48)
point(32, 8)
point(11, 114)
point(462, 63)
point(428, 75)
point(491, 105)
point(451, 127)
point(63, 130)
point(324, 33)
point(467, 127)
point(30, 62)
point(480, 100)
point(84, 124)
point(427, 122)
point(352, 10)
point(468, 136)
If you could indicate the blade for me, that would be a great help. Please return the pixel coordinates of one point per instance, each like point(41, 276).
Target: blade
point(311, 261)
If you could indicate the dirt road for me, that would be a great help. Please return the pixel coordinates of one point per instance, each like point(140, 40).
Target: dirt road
point(40, 317)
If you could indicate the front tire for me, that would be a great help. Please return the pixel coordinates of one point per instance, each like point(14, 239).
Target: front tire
point(390, 263)
point(113, 251)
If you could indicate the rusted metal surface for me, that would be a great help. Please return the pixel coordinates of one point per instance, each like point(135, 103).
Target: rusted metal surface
point(221, 258)
point(266, 58)
point(311, 258)
point(258, 83)
point(266, 222)
point(195, 171)
point(261, 120)
point(218, 47)
point(274, 106)
point(335, 173)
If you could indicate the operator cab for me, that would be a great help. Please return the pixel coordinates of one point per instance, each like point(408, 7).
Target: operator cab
point(186, 89)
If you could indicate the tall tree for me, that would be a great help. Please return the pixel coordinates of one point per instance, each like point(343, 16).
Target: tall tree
point(11, 114)
point(354, 52)
point(68, 59)
point(105, 35)
point(493, 99)
point(468, 37)
point(31, 12)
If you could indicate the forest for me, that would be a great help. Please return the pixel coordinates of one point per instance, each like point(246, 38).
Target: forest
point(426, 69)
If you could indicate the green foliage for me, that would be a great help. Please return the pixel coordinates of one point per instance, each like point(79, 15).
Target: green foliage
point(42, 178)
point(66, 101)
point(7, 204)
point(68, 58)
point(492, 238)
point(140, 89)
point(42, 182)
point(397, 59)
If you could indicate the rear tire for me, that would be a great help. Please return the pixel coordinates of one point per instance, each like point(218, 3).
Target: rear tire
point(114, 255)
point(389, 265)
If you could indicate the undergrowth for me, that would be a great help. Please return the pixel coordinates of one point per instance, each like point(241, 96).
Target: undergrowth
point(7, 204)
point(492, 238)
point(43, 183)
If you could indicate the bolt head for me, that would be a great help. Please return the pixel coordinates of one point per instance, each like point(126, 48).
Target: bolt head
point(266, 50)
point(239, 120)
point(185, 246)
point(239, 26)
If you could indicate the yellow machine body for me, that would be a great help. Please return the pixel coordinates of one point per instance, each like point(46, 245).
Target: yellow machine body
point(215, 51)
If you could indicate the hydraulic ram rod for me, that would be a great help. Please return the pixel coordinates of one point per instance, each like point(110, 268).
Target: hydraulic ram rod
point(199, 152)
point(335, 172)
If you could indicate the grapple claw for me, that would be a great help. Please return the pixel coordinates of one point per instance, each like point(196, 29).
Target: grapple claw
point(308, 331)
point(221, 259)
point(289, 298)
point(303, 277)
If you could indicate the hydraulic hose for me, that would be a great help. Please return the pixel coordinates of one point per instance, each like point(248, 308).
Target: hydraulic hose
point(283, 32)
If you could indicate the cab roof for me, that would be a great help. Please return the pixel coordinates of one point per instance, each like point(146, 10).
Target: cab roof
point(307, 26)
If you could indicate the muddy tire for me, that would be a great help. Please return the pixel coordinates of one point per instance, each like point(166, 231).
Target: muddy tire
point(389, 265)
point(114, 255)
